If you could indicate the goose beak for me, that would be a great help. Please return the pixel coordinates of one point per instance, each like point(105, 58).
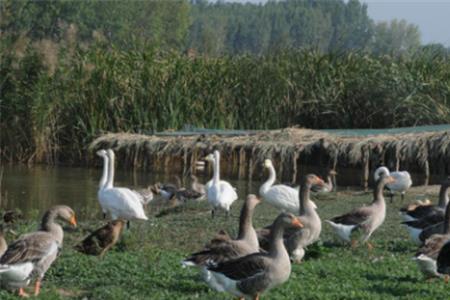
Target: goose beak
point(391, 179)
point(73, 221)
point(296, 223)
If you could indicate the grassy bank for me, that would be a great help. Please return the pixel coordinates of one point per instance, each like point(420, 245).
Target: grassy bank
point(56, 98)
point(145, 264)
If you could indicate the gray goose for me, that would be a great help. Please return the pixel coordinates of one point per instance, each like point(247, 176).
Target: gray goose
point(367, 218)
point(296, 240)
point(32, 254)
point(427, 254)
point(443, 261)
point(433, 217)
point(249, 276)
point(102, 239)
point(222, 248)
point(421, 211)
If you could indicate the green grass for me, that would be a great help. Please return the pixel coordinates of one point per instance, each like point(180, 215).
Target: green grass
point(145, 263)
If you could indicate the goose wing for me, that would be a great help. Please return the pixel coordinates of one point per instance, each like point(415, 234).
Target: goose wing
point(355, 217)
point(243, 267)
point(29, 248)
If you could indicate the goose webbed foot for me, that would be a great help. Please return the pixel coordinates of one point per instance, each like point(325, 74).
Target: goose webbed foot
point(37, 287)
point(23, 294)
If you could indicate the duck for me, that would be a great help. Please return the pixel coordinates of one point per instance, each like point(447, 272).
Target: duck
point(329, 186)
point(32, 254)
point(443, 261)
point(427, 255)
point(367, 218)
point(198, 187)
point(220, 193)
point(281, 196)
point(251, 275)
point(421, 211)
point(118, 202)
point(102, 239)
point(296, 240)
point(11, 216)
point(402, 181)
point(222, 247)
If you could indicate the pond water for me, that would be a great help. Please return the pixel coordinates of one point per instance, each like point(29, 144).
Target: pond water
point(36, 188)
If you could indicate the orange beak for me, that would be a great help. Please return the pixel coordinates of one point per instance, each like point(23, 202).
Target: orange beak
point(73, 221)
point(391, 179)
point(296, 223)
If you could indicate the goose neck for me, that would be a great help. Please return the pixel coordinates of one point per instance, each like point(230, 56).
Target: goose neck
point(270, 181)
point(443, 195)
point(104, 177)
point(48, 224)
point(110, 181)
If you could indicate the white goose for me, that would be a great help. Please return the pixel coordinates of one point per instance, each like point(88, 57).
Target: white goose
point(281, 196)
point(401, 184)
point(120, 203)
point(221, 194)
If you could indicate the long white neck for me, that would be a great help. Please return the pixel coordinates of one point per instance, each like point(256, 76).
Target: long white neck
point(216, 176)
point(266, 186)
point(102, 183)
point(110, 181)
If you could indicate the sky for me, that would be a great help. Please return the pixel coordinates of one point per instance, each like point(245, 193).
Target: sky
point(432, 17)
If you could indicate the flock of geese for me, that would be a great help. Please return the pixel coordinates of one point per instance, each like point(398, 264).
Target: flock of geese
point(256, 260)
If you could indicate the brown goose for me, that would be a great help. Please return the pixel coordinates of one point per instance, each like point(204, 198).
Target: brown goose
point(427, 254)
point(422, 211)
point(249, 276)
point(329, 186)
point(222, 247)
point(367, 218)
point(296, 240)
point(102, 239)
point(33, 253)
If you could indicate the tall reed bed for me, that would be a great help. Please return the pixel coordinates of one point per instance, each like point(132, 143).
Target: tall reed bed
point(53, 107)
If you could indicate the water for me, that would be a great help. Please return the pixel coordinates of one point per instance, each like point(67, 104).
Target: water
point(39, 187)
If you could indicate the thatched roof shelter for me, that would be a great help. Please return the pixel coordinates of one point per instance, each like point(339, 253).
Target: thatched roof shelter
point(294, 151)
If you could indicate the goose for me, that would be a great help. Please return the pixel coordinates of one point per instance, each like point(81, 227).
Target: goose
point(422, 211)
point(119, 202)
point(402, 181)
point(443, 261)
point(329, 186)
point(220, 193)
point(102, 239)
point(283, 197)
point(143, 195)
point(32, 254)
point(249, 276)
point(296, 240)
point(223, 248)
point(433, 217)
point(367, 218)
point(427, 255)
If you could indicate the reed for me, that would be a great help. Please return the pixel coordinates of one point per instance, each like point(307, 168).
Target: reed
point(53, 106)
